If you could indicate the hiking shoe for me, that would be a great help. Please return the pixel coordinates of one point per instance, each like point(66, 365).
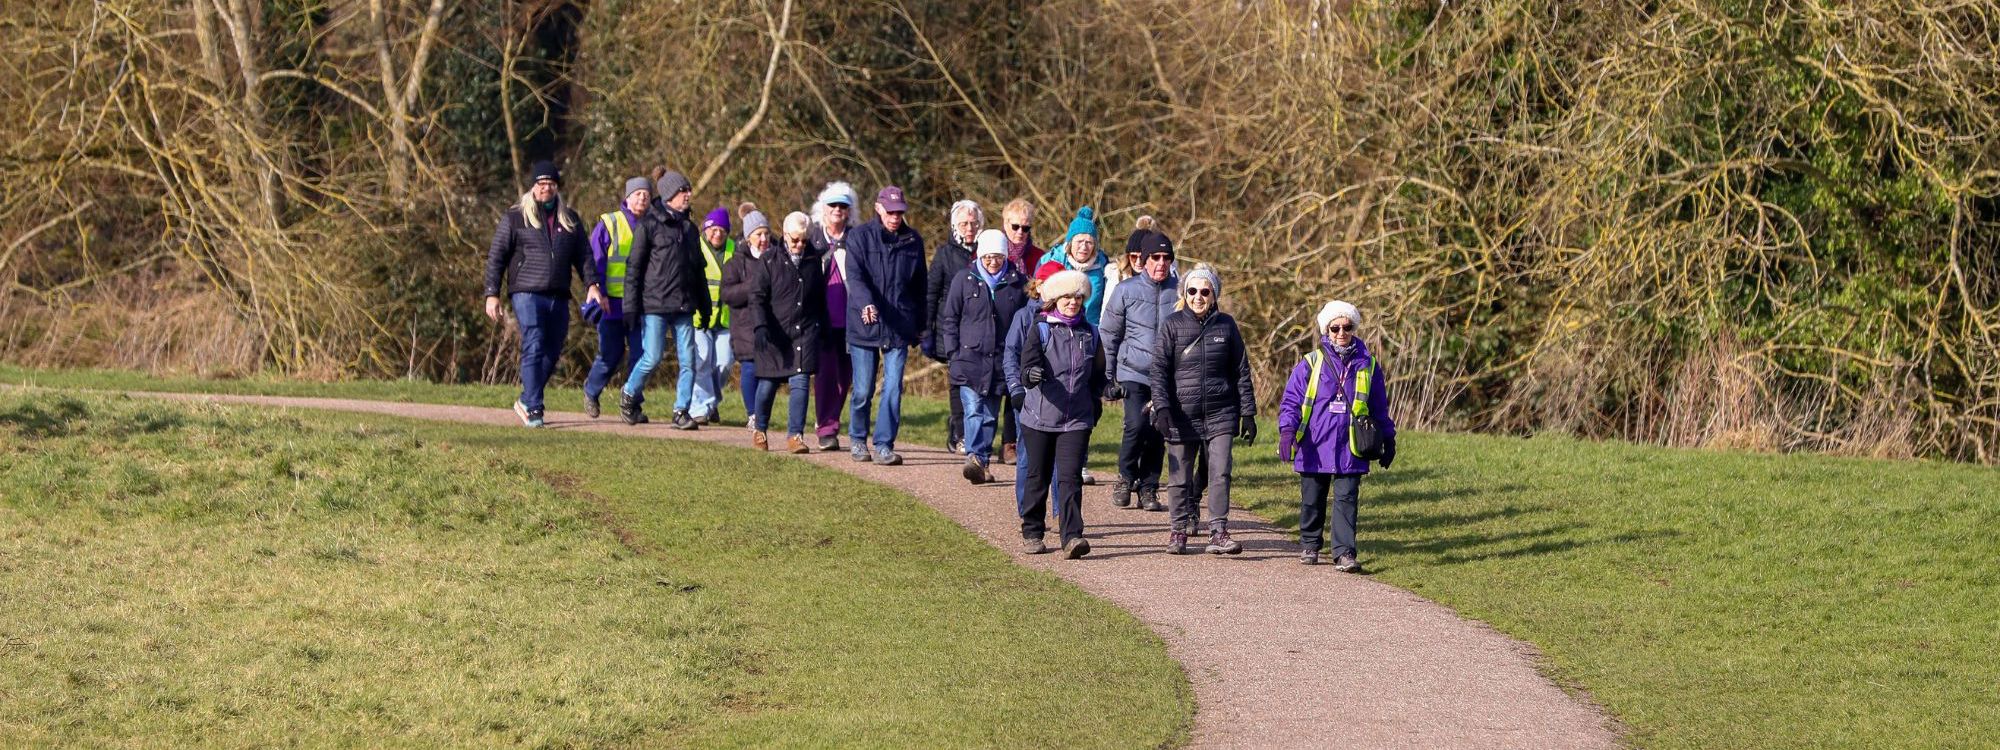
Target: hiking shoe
point(1346, 564)
point(955, 447)
point(1149, 499)
point(521, 410)
point(888, 458)
point(796, 444)
point(1088, 479)
point(1033, 545)
point(706, 418)
point(628, 407)
point(760, 440)
point(1177, 542)
point(1308, 557)
point(590, 407)
point(535, 418)
point(1121, 494)
point(684, 422)
point(1007, 453)
point(974, 472)
point(1219, 542)
point(1076, 548)
point(858, 452)
point(829, 444)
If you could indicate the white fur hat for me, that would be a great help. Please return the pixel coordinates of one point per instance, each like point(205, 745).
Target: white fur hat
point(991, 242)
point(1336, 310)
point(1066, 283)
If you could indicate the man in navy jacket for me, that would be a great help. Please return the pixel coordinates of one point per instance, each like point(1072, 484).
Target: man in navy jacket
point(885, 317)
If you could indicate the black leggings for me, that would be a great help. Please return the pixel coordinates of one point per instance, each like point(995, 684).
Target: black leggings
point(1065, 451)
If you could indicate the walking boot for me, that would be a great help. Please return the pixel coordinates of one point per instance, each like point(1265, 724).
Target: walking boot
point(628, 407)
point(591, 408)
point(684, 422)
point(1121, 494)
point(1149, 498)
point(974, 472)
point(1177, 540)
point(1219, 542)
point(760, 440)
point(797, 444)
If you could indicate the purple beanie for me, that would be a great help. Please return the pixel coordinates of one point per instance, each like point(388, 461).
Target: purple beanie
point(717, 218)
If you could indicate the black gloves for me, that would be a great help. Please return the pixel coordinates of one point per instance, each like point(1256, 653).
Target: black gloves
point(1032, 376)
point(1113, 391)
point(1389, 453)
point(1246, 428)
point(1162, 421)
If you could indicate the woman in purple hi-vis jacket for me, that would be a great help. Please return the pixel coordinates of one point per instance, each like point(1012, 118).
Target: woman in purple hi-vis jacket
point(1319, 452)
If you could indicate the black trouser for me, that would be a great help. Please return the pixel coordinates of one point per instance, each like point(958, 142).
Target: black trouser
point(1065, 452)
point(954, 428)
point(1312, 510)
point(1186, 463)
point(1140, 455)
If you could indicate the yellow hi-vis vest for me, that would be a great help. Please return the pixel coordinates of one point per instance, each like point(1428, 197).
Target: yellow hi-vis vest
point(1365, 384)
point(620, 230)
point(719, 315)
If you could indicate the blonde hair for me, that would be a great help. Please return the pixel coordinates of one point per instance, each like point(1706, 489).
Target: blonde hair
point(533, 215)
point(1019, 207)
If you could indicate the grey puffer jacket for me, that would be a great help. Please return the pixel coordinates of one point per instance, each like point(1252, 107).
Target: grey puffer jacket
point(1201, 376)
point(1138, 307)
point(1070, 396)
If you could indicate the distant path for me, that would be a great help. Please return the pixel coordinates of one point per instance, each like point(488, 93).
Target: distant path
point(1280, 654)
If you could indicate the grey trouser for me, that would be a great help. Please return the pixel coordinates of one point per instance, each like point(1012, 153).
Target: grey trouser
point(1183, 469)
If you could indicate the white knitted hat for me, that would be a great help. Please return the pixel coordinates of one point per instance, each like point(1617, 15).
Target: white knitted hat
point(992, 242)
point(1066, 283)
point(1336, 310)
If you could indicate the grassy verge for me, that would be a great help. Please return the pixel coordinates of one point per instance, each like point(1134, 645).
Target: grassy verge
point(1706, 598)
point(188, 574)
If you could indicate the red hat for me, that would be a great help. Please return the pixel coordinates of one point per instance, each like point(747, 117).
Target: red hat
point(1048, 269)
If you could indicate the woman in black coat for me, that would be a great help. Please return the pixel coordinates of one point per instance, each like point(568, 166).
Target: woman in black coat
point(1202, 397)
point(738, 273)
point(972, 328)
point(788, 301)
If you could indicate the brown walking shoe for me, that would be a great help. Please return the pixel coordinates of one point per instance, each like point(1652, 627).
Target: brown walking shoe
point(797, 444)
point(761, 440)
point(1033, 545)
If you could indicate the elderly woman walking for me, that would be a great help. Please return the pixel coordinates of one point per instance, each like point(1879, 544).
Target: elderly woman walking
point(788, 304)
point(1060, 380)
point(952, 259)
point(981, 302)
point(1333, 420)
point(1202, 397)
point(832, 214)
point(738, 276)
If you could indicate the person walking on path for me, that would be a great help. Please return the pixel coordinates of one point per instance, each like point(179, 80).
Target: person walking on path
point(1133, 316)
point(788, 307)
point(711, 340)
point(1061, 381)
point(982, 300)
point(1322, 430)
point(1202, 397)
point(953, 257)
point(665, 287)
point(1017, 220)
point(1078, 252)
point(536, 247)
point(737, 275)
point(832, 210)
point(885, 317)
point(611, 243)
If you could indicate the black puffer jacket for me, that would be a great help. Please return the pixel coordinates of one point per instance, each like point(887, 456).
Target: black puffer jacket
point(949, 262)
point(1201, 375)
point(538, 259)
point(972, 328)
point(739, 276)
point(665, 275)
point(788, 301)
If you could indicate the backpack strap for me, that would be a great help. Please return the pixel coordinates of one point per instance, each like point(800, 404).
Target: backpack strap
point(1315, 358)
point(1365, 381)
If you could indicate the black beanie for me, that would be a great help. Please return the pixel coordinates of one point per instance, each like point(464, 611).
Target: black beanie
point(545, 170)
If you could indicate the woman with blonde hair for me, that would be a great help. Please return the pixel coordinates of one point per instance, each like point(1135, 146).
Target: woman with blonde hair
point(538, 244)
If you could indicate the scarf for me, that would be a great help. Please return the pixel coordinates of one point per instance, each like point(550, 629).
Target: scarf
point(992, 279)
point(1058, 318)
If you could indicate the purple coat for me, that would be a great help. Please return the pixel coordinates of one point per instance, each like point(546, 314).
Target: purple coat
point(1324, 447)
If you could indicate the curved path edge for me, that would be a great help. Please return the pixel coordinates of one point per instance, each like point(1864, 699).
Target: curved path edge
point(1280, 655)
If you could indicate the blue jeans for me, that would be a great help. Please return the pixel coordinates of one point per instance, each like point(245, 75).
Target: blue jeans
point(746, 381)
point(711, 369)
point(981, 412)
point(544, 323)
point(653, 335)
point(859, 402)
point(614, 341)
point(767, 392)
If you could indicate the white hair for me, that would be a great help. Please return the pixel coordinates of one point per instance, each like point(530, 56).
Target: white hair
point(965, 206)
point(796, 223)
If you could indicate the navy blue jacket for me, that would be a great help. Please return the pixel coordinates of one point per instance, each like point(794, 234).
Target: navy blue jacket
point(972, 327)
point(887, 271)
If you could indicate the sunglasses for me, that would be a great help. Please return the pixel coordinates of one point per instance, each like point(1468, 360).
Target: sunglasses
point(836, 206)
point(1341, 328)
point(1199, 291)
point(1021, 227)
point(1157, 256)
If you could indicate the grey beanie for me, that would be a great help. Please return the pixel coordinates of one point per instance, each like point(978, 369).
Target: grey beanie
point(671, 184)
point(753, 219)
point(1214, 281)
point(634, 185)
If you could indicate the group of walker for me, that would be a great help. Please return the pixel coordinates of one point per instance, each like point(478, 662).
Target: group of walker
point(1034, 347)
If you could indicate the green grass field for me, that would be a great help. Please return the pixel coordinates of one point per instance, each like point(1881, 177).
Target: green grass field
point(199, 575)
point(1707, 599)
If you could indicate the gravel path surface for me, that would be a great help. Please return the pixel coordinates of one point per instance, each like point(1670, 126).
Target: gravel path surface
point(1280, 654)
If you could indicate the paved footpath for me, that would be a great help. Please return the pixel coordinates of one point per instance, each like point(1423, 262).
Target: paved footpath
point(1280, 654)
